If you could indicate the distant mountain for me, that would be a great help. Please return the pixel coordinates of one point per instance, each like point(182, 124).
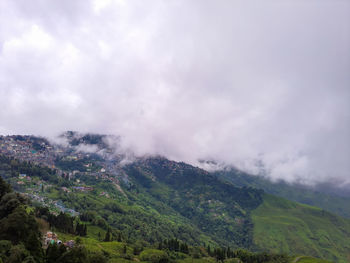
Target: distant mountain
point(323, 198)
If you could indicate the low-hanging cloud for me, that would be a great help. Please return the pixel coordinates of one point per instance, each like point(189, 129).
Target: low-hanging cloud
point(240, 82)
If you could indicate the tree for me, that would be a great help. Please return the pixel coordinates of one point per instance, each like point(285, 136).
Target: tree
point(4, 188)
point(74, 255)
point(97, 258)
point(220, 254)
point(154, 256)
point(209, 250)
point(53, 252)
point(81, 229)
point(108, 236)
point(85, 230)
point(29, 259)
point(124, 249)
point(18, 254)
point(20, 227)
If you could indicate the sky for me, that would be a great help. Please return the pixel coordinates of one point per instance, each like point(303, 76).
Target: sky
point(260, 85)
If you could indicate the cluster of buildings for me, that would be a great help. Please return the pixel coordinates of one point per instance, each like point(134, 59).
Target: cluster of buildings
point(52, 238)
point(40, 151)
point(23, 178)
point(61, 207)
point(55, 206)
point(83, 188)
point(25, 148)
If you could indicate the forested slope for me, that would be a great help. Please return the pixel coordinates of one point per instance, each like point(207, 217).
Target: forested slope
point(155, 199)
point(328, 200)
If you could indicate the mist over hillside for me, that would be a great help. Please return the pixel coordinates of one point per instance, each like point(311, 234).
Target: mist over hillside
point(174, 131)
point(113, 148)
point(110, 149)
point(101, 186)
point(252, 85)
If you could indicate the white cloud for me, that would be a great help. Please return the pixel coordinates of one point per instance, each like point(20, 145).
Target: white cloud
point(232, 81)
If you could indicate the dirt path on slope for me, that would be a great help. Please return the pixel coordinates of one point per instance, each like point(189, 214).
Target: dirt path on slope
point(297, 259)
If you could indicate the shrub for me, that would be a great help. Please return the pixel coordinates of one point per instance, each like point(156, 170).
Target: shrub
point(154, 256)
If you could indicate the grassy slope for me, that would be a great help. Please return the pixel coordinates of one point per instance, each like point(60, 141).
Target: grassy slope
point(218, 209)
point(330, 202)
point(114, 249)
point(311, 260)
point(174, 199)
point(284, 226)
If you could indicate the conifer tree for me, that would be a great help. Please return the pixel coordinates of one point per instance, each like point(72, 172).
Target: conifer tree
point(209, 250)
point(124, 249)
point(108, 236)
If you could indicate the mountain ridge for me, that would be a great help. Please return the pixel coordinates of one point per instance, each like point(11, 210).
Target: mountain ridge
point(335, 203)
point(153, 199)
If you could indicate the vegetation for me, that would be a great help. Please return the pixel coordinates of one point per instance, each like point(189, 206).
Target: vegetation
point(304, 259)
point(162, 211)
point(218, 209)
point(11, 168)
point(284, 226)
point(20, 239)
point(306, 195)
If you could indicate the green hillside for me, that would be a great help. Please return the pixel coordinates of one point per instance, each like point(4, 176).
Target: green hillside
point(284, 226)
point(339, 205)
point(22, 241)
point(151, 200)
point(305, 259)
point(218, 209)
point(156, 199)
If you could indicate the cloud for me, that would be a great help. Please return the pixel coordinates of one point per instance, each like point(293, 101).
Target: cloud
point(238, 82)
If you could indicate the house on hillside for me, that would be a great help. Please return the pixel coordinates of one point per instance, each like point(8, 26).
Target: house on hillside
point(69, 244)
point(49, 238)
point(52, 238)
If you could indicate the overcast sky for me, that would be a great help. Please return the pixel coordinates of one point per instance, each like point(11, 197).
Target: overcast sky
point(233, 81)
